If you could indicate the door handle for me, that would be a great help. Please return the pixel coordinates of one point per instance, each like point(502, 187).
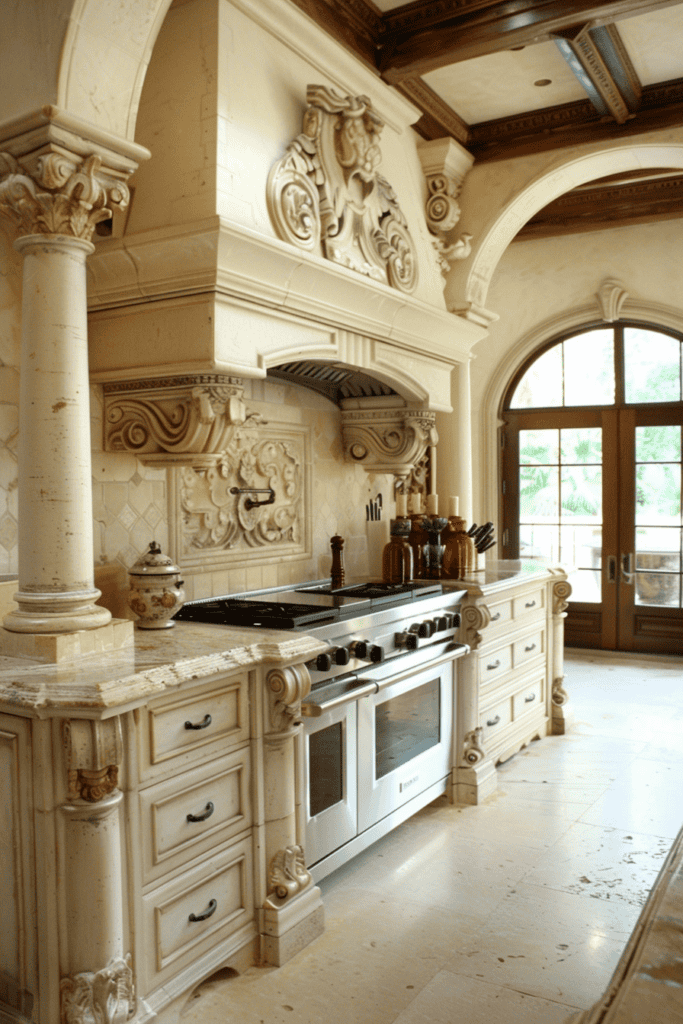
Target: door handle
point(627, 573)
point(612, 569)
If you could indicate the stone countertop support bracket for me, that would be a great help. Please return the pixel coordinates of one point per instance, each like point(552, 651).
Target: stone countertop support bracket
point(445, 164)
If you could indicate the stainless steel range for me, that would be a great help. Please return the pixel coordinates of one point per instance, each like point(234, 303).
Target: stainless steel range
point(378, 723)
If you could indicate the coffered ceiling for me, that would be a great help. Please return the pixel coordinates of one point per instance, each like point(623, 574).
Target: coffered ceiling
point(508, 77)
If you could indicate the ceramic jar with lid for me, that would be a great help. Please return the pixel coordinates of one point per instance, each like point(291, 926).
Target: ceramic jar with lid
point(155, 589)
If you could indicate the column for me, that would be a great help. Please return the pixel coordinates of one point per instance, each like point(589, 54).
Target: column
point(455, 443)
point(54, 210)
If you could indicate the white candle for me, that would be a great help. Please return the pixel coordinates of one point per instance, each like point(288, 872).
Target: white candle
point(453, 505)
point(432, 466)
point(432, 504)
point(401, 504)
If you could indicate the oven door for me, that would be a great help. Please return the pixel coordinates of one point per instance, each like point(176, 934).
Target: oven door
point(405, 733)
point(330, 794)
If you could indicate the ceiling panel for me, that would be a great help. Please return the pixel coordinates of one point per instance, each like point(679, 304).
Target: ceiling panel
point(655, 45)
point(502, 84)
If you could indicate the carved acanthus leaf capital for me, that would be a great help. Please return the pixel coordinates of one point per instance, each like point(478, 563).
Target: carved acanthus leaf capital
point(63, 196)
point(93, 751)
point(287, 876)
point(287, 687)
point(561, 594)
point(99, 997)
point(388, 440)
point(326, 194)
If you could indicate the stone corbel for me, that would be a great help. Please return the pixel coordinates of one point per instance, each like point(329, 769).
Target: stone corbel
point(611, 297)
point(287, 687)
point(105, 997)
point(445, 163)
point(475, 618)
point(561, 594)
point(387, 440)
point(175, 419)
point(287, 876)
point(93, 750)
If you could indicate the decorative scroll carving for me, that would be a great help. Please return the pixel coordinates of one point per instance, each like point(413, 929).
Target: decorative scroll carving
point(326, 194)
point(445, 164)
point(474, 752)
point(561, 594)
point(65, 196)
point(287, 876)
point(388, 440)
point(177, 416)
point(93, 751)
point(611, 297)
point(99, 997)
point(474, 618)
point(559, 694)
point(287, 687)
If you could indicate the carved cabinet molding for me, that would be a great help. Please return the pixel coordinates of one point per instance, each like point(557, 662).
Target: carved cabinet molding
point(327, 196)
point(445, 164)
point(94, 751)
point(99, 997)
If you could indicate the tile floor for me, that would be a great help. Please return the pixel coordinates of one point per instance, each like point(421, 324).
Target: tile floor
point(513, 912)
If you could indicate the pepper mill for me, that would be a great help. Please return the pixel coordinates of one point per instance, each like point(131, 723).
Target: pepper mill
point(337, 544)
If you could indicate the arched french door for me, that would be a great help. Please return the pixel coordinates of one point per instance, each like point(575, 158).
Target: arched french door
point(591, 477)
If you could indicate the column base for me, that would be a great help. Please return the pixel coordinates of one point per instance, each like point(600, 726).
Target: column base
point(562, 720)
point(63, 612)
point(474, 785)
point(290, 928)
point(53, 648)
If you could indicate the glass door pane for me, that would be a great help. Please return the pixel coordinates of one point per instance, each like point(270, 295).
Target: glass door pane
point(658, 534)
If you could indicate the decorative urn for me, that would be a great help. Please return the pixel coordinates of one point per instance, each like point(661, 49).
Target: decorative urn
point(155, 589)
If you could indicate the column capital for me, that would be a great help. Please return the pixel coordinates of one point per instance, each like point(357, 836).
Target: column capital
point(59, 194)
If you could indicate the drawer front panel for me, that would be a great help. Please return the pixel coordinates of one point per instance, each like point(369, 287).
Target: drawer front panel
point(528, 604)
point(197, 910)
point(494, 665)
point(531, 698)
point(188, 815)
point(494, 721)
point(194, 720)
point(500, 612)
point(532, 646)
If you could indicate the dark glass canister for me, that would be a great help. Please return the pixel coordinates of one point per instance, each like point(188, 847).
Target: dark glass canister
point(459, 553)
point(397, 556)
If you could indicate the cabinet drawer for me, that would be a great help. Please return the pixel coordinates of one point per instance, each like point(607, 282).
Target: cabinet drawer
point(494, 721)
point(529, 603)
point(189, 814)
point(198, 909)
point(188, 722)
point(500, 612)
point(531, 646)
point(495, 664)
point(531, 698)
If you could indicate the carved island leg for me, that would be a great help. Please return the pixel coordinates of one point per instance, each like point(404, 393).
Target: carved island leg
point(292, 914)
point(474, 776)
point(562, 716)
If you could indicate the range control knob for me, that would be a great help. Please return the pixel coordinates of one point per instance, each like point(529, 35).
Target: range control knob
point(442, 622)
point(408, 640)
point(423, 629)
point(323, 662)
point(359, 648)
point(341, 656)
point(376, 654)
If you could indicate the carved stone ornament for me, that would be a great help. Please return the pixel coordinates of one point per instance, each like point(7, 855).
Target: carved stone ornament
point(287, 688)
point(93, 751)
point(561, 594)
point(611, 297)
point(474, 752)
point(388, 440)
point(99, 997)
point(174, 416)
point(287, 876)
point(326, 195)
point(559, 694)
point(474, 618)
point(65, 196)
point(445, 164)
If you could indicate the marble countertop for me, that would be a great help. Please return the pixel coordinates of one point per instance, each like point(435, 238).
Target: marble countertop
point(156, 661)
point(497, 575)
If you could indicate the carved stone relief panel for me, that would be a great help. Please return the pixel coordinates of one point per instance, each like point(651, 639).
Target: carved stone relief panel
point(214, 522)
point(327, 196)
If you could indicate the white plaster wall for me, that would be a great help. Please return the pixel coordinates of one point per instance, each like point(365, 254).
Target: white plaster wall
point(34, 34)
point(557, 279)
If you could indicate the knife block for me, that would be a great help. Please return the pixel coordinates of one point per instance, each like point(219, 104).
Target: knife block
point(377, 534)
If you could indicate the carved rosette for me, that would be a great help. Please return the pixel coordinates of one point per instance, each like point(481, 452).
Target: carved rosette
point(63, 196)
point(326, 195)
point(474, 618)
point(388, 440)
point(561, 594)
point(559, 695)
point(99, 997)
point(473, 750)
point(175, 416)
point(287, 687)
point(287, 876)
point(93, 752)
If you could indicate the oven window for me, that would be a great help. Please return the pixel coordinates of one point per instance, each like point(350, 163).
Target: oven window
point(406, 726)
point(326, 764)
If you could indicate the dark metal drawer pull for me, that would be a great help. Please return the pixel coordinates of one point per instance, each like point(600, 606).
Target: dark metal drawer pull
point(530, 604)
point(207, 812)
point(496, 664)
point(530, 698)
point(494, 721)
point(531, 647)
point(494, 618)
point(211, 909)
point(204, 724)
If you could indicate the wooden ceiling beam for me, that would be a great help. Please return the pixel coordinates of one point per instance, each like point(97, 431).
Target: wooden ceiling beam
point(599, 61)
point(416, 41)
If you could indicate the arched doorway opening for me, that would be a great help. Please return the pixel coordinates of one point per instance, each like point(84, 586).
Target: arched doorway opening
point(591, 476)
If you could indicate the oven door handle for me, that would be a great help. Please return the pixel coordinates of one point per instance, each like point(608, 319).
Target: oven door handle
point(310, 708)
